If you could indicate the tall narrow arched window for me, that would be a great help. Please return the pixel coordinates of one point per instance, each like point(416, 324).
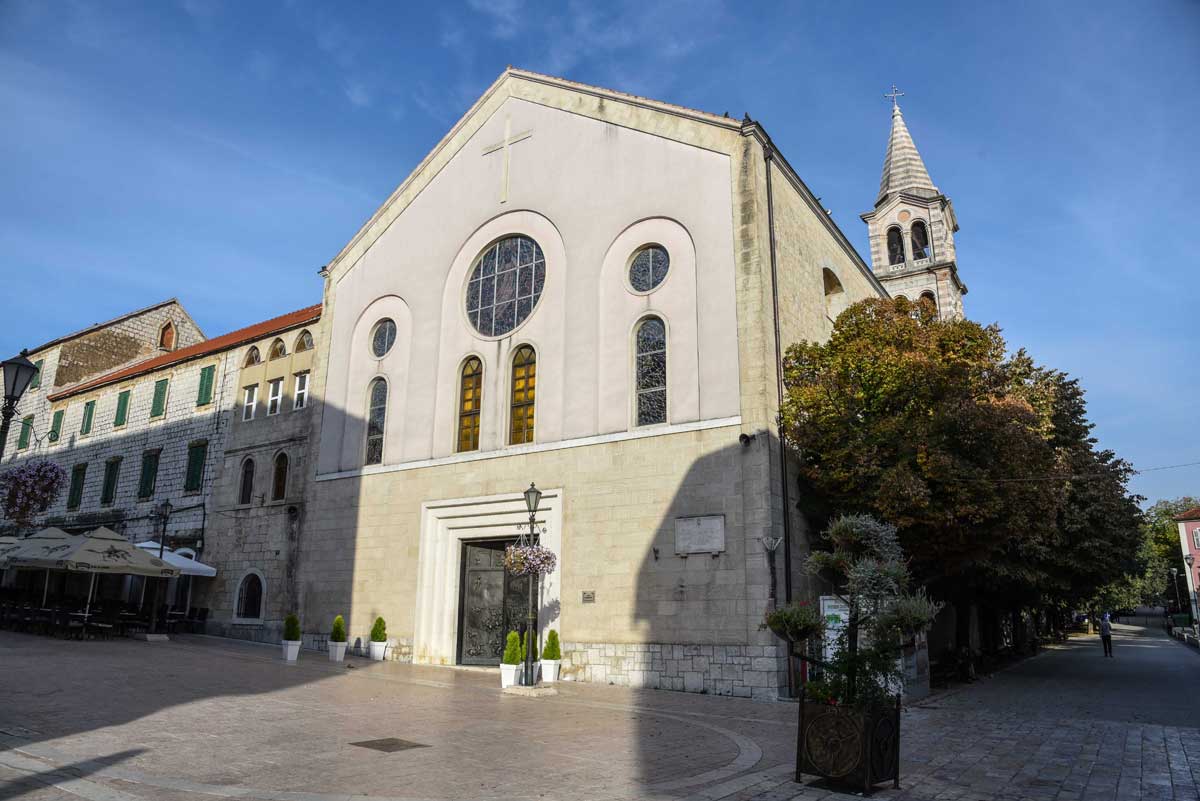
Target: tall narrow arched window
point(246, 487)
point(280, 477)
point(895, 246)
point(920, 240)
point(524, 391)
point(651, 371)
point(928, 299)
point(249, 598)
point(376, 417)
point(470, 395)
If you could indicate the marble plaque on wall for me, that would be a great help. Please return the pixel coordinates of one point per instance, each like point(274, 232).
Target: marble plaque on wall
point(695, 535)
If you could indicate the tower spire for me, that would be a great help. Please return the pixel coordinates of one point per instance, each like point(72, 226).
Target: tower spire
point(903, 169)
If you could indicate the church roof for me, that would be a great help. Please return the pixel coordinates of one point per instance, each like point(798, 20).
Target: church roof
point(903, 169)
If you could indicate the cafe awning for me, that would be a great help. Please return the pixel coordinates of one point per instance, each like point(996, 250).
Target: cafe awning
point(100, 551)
point(187, 566)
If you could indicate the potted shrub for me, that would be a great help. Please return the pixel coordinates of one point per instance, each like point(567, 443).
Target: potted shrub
point(337, 640)
point(551, 656)
point(379, 640)
point(291, 638)
point(510, 663)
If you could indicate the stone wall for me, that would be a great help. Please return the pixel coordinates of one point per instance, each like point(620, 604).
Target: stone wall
point(746, 671)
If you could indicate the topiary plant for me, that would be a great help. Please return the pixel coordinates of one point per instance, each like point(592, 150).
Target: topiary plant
point(552, 650)
point(512, 649)
point(339, 630)
point(291, 628)
point(379, 631)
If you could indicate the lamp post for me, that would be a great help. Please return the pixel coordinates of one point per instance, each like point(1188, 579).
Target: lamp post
point(18, 375)
point(163, 511)
point(1175, 584)
point(533, 497)
point(1191, 560)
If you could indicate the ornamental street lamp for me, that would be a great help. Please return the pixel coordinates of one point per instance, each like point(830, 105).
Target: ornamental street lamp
point(1191, 560)
point(533, 496)
point(162, 512)
point(18, 375)
point(1175, 583)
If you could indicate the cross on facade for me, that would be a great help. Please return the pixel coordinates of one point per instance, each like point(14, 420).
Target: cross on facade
point(509, 140)
point(895, 93)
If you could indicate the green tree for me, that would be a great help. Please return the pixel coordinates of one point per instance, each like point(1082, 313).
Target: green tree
point(1162, 541)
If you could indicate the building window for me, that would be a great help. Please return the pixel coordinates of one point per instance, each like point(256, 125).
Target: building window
point(920, 240)
point(26, 431)
point(470, 395)
point(895, 246)
point(376, 420)
point(928, 300)
point(648, 268)
point(246, 487)
point(166, 337)
point(158, 407)
point(89, 412)
point(524, 391)
point(274, 395)
point(204, 395)
point(303, 342)
point(250, 598)
point(280, 477)
point(112, 471)
point(194, 478)
point(505, 285)
point(383, 336)
point(75, 495)
point(278, 350)
point(149, 475)
point(56, 425)
point(252, 357)
point(36, 381)
point(300, 395)
point(249, 402)
point(1196, 538)
point(651, 372)
point(122, 409)
point(835, 294)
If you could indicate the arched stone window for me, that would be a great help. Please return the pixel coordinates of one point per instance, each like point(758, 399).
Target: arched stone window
point(278, 350)
point(249, 604)
point(279, 478)
point(927, 298)
point(895, 246)
point(166, 336)
point(651, 371)
point(376, 420)
point(252, 357)
point(920, 240)
point(303, 342)
point(524, 390)
point(835, 294)
point(470, 397)
point(246, 485)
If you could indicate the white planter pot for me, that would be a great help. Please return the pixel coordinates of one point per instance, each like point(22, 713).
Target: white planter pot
point(337, 651)
point(550, 670)
point(291, 650)
point(521, 673)
point(508, 675)
point(378, 650)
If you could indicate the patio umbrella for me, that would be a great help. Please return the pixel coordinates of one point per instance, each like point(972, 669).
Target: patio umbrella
point(187, 566)
point(47, 541)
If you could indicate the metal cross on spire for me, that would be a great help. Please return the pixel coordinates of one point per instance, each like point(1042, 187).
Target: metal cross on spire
point(892, 95)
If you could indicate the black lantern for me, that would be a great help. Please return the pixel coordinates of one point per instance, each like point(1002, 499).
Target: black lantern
point(533, 496)
point(18, 373)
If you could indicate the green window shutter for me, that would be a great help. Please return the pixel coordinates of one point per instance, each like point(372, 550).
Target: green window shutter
point(206, 386)
point(75, 497)
point(149, 475)
point(111, 472)
point(37, 377)
point(122, 409)
point(89, 411)
point(197, 451)
point(56, 425)
point(26, 430)
point(159, 405)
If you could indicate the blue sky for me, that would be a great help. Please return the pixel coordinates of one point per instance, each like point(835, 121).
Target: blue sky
point(222, 152)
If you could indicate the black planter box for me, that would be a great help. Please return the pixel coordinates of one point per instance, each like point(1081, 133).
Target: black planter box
point(854, 747)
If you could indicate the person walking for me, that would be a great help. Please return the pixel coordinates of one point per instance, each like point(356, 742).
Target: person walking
point(1106, 635)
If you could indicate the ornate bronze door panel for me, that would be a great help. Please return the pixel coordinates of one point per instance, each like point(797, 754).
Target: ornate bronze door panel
point(492, 604)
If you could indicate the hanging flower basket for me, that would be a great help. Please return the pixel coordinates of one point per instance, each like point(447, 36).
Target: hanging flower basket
point(795, 622)
point(529, 560)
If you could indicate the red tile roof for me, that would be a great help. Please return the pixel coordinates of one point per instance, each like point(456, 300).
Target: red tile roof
point(214, 345)
point(1190, 514)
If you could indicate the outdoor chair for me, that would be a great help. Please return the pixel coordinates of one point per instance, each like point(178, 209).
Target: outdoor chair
point(100, 625)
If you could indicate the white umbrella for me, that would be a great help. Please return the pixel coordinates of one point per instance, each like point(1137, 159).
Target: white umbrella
point(187, 566)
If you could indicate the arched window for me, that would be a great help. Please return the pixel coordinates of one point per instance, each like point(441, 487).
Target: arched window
point(505, 285)
point(470, 395)
point(252, 357)
point(278, 350)
point(895, 246)
point(376, 418)
point(280, 477)
point(383, 336)
point(648, 268)
point(166, 336)
point(246, 487)
point(835, 294)
point(928, 299)
point(303, 342)
point(250, 597)
point(524, 390)
point(920, 240)
point(651, 372)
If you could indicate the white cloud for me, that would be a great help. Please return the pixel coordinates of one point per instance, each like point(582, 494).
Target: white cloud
point(505, 15)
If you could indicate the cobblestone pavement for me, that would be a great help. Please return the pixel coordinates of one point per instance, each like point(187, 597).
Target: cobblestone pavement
point(200, 718)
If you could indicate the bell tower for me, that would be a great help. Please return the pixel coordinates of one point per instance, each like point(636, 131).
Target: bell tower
point(912, 227)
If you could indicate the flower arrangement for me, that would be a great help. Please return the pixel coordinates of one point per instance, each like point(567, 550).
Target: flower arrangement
point(379, 631)
point(529, 560)
point(29, 490)
point(339, 630)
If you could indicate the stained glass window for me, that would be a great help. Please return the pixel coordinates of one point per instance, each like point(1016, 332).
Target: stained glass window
point(376, 415)
point(648, 268)
point(383, 336)
point(470, 397)
point(524, 390)
point(651, 372)
point(505, 285)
